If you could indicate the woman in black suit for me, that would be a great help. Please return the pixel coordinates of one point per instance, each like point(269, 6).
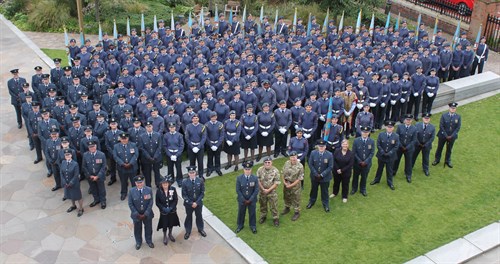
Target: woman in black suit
point(342, 169)
point(166, 200)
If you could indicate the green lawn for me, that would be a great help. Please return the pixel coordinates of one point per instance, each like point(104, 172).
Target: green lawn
point(57, 53)
point(387, 226)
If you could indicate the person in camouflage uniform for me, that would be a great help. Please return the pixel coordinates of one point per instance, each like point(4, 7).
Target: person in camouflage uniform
point(269, 179)
point(292, 175)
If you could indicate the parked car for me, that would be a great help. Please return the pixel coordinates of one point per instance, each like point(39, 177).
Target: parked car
point(463, 7)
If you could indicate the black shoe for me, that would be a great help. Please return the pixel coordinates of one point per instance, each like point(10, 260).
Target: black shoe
point(352, 192)
point(172, 238)
point(49, 174)
point(103, 206)
point(449, 165)
point(262, 220)
point(364, 194)
point(209, 173)
point(327, 209)
point(254, 230)
point(238, 229)
point(19, 125)
point(37, 161)
point(55, 188)
point(219, 172)
point(276, 155)
point(32, 148)
point(284, 154)
point(88, 191)
point(94, 203)
point(227, 166)
point(434, 163)
point(236, 168)
point(137, 246)
point(276, 222)
point(202, 233)
point(392, 187)
point(71, 209)
point(111, 182)
point(347, 136)
point(151, 245)
point(186, 236)
point(258, 158)
point(80, 213)
point(123, 196)
point(309, 205)
point(64, 199)
point(408, 180)
point(427, 173)
point(374, 182)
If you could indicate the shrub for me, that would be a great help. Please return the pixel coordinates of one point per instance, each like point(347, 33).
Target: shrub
point(12, 7)
point(48, 14)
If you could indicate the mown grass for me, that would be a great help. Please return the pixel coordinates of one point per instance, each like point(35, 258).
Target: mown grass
point(57, 53)
point(387, 226)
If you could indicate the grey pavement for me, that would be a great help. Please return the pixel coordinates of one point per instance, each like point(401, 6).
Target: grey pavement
point(33, 220)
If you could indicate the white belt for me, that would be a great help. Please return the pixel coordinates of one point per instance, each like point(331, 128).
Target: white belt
point(265, 127)
point(173, 150)
point(333, 143)
point(431, 88)
point(282, 127)
point(307, 130)
point(335, 111)
point(404, 92)
point(394, 94)
point(214, 142)
point(231, 134)
point(376, 97)
point(384, 95)
point(195, 144)
point(249, 128)
point(300, 154)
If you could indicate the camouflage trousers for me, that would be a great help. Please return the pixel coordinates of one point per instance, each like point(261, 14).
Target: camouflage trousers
point(272, 200)
point(292, 197)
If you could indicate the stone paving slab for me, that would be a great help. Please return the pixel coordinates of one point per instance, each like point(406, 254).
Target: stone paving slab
point(420, 260)
point(485, 238)
point(456, 251)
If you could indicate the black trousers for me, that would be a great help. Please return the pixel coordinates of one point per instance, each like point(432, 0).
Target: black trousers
point(98, 190)
point(408, 155)
point(242, 208)
point(47, 163)
point(281, 142)
point(148, 230)
point(427, 103)
point(388, 170)
point(343, 179)
point(125, 176)
point(392, 112)
point(148, 168)
point(177, 165)
point(402, 110)
point(379, 119)
point(38, 147)
point(188, 223)
point(313, 196)
point(454, 75)
point(111, 166)
point(439, 150)
point(443, 75)
point(19, 117)
point(425, 157)
point(358, 170)
point(196, 158)
point(56, 172)
point(213, 161)
point(414, 103)
point(477, 65)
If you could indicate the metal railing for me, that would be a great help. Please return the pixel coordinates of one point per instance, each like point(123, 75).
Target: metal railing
point(492, 32)
point(454, 9)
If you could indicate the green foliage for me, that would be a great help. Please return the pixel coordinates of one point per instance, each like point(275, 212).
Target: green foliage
point(49, 14)
point(414, 219)
point(12, 7)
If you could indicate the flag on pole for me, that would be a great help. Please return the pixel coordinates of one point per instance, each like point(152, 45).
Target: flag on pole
point(115, 30)
point(295, 21)
point(419, 20)
point(372, 24)
point(231, 17)
point(328, 123)
point(190, 20)
point(387, 23)
point(478, 37)
point(457, 34)
point(434, 33)
point(202, 20)
point(325, 23)
point(341, 23)
point(309, 25)
point(261, 13)
point(172, 22)
point(244, 16)
point(100, 33)
point(276, 22)
point(216, 18)
point(358, 23)
point(143, 26)
point(128, 26)
point(155, 25)
point(66, 43)
point(396, 27)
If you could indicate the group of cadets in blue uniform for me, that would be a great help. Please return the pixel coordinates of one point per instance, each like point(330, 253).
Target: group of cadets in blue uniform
point(218, 89)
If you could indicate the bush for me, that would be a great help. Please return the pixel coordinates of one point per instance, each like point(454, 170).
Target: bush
point(12, 7)
point(48, 14)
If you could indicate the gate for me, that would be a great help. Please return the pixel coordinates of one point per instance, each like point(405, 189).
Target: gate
point(492, 32)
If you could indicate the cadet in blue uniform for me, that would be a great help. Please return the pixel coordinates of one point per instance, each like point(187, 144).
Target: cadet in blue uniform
point(320, 166)
point(449, 126)
point(300, 145)
point(15, 88)
point(52, 147)
point(215, 137)
point(43, 133)
point(193, 192)
point(308, 121)
point(173, 144)
point(283, 118)
point(266, 127)
point(232, 131)
point(335, 137)
point(249, 129)
point(387, 145)
point(480, 57)
point(430, 91)
point(33, 119)
point(94, 169)
point(150, 145)
point(140, 202)
point(70, 179)
point(196, 136)
point(407, 137)
point(247, 189)
point(364, 119)
point(125, 154)
point(425, 136)
point(364, 149)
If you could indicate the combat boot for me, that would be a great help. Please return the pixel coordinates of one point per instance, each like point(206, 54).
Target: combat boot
point(285, 211)
point(295, 216)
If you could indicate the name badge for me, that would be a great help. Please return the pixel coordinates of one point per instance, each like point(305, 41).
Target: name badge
point(147, 196)
point(393, 141)
point(456, 121)
point(98, 161)
point(58, 147)
point(252, 184)
point(132, 151)
point(53, 126)
point(38, 118)
point(325, 160)
point(369, 146)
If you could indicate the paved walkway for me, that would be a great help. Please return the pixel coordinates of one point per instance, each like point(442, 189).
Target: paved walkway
point(34, 223)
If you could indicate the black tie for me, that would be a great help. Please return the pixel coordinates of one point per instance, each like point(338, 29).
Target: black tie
point(140, 191)
point(192, 181)
point(425, 127)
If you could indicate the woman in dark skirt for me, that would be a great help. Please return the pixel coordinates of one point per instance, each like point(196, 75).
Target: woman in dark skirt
point(342, 169)
point(249, 128)
point(266, 127)
point(232, 131)
point(70, 180)
point(166, 200)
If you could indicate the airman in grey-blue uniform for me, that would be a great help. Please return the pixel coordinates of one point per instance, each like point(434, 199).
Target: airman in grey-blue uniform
point(364, 150)
point(150, 145)
point(94, 169)
point(126, 154)
point(387, 145)
point(449, 126)
point(425, 136)
point(407, 138)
